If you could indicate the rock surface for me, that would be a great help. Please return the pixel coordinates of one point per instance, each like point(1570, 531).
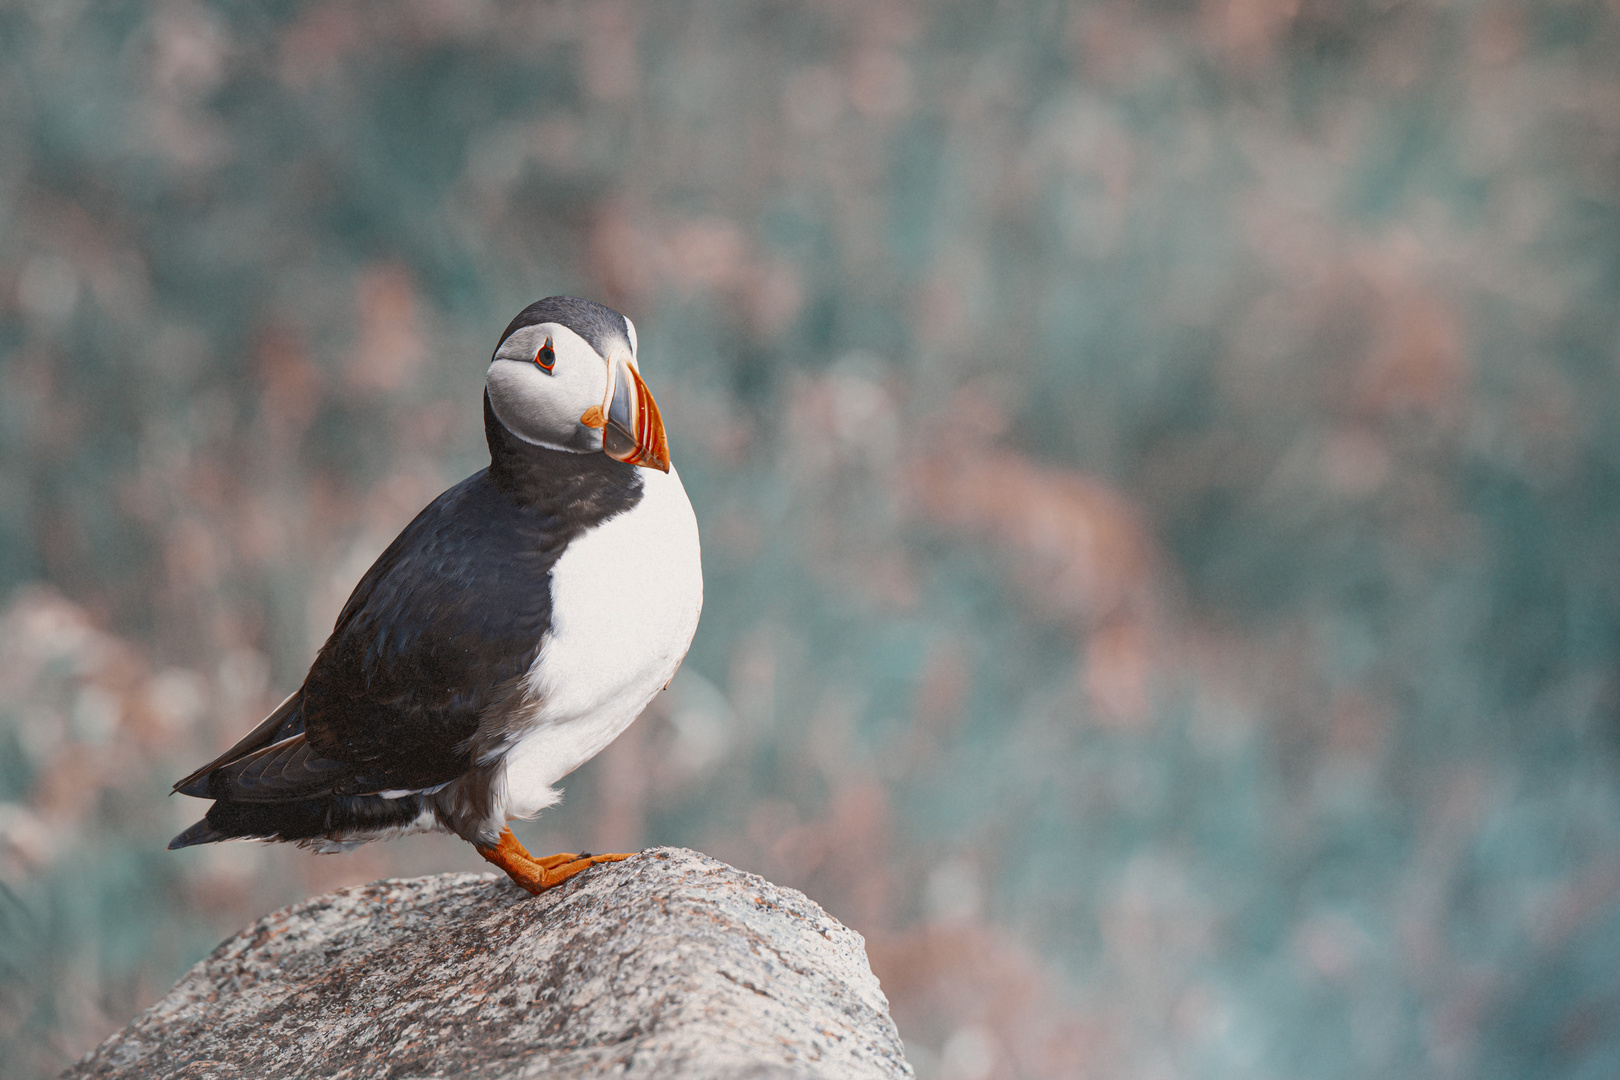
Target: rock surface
point(669, 964)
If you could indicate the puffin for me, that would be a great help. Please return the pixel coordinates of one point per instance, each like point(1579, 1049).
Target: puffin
point(514, 628)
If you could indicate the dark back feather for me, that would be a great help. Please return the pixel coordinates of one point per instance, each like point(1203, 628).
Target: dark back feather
point(434, 637)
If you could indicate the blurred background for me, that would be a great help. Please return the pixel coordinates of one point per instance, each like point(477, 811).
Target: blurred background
point(1158, 463)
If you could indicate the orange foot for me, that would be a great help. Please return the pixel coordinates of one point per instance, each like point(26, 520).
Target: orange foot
point(538, 875)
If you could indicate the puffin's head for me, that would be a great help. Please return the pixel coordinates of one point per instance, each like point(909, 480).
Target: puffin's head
point(564, 376)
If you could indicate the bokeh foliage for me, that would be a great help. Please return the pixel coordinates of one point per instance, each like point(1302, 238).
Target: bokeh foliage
point(1159, 466)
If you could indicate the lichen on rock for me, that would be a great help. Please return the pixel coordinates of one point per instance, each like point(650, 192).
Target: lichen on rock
point(669, 964)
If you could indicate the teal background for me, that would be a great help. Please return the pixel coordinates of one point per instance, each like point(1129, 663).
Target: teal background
point(1158, 463)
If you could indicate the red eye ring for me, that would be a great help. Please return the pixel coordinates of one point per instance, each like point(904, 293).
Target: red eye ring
point(546, 357)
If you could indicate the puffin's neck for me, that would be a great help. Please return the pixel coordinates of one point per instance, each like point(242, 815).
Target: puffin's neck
point(593, 485)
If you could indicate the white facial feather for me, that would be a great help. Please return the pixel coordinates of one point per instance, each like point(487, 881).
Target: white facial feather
point(545, 408)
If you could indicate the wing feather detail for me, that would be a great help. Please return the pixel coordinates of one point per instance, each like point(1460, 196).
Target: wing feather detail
point(289, 769)
point(425, 661)
point(286, 715)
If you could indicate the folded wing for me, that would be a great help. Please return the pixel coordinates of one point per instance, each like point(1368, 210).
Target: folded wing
point(437, 636)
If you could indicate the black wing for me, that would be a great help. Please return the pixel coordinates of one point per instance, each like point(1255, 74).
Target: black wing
point(284, 720)
point(444, 624)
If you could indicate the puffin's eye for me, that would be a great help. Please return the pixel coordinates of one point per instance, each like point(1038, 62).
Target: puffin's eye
point(546, 357)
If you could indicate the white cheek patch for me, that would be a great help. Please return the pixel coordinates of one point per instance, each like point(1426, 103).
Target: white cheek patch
point(535, 412)
point(545, 408)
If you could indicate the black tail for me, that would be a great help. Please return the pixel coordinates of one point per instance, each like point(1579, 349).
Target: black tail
point(200, 833)
point(305, 819)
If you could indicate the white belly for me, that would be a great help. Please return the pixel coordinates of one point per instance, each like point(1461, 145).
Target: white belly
point(625, 599)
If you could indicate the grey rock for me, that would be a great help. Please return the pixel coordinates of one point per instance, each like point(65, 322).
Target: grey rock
point(669, 964)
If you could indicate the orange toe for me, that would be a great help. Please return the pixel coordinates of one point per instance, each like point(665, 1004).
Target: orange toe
point(538, 875)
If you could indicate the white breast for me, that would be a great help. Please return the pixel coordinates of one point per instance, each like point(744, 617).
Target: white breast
point(625, 598)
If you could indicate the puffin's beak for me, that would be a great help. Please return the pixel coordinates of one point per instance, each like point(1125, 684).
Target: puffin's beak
point(634, 431)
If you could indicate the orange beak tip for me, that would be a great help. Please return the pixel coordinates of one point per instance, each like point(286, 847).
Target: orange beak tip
point(633, 429)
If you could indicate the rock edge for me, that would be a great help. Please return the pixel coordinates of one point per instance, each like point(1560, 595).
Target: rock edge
point(668, 964)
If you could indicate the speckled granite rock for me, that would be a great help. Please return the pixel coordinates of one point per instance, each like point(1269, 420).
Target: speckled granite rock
point(669, 964)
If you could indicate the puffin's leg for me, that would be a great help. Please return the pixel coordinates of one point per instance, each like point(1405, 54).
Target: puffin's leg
point(538, 875)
